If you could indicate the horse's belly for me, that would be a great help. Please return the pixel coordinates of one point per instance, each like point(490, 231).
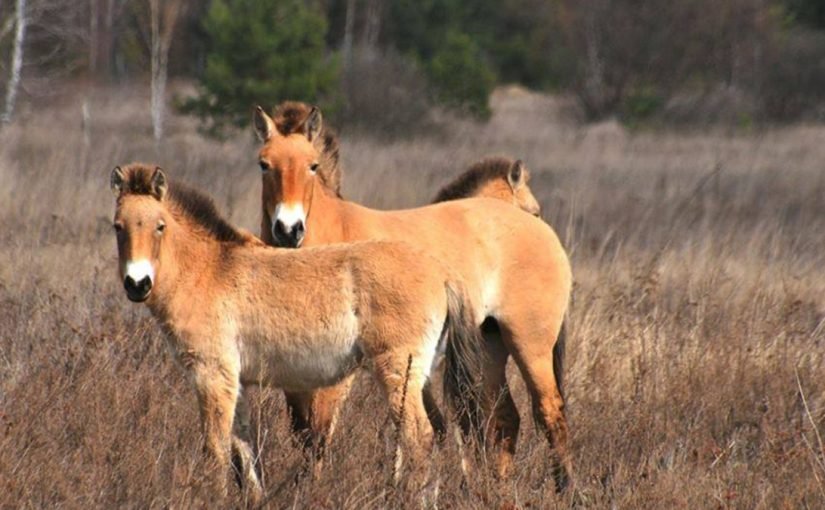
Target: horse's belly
point(301, 362)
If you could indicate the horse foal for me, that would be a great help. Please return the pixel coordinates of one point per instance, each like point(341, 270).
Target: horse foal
point(239, 313)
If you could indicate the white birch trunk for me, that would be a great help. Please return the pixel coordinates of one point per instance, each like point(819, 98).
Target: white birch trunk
point(16, 62)
point(161, 41)
point(158, 72)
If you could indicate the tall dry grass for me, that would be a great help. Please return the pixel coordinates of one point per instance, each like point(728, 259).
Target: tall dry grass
point(697, 331)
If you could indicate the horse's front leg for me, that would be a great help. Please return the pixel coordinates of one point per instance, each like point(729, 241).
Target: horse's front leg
point(243, 457)
point(218, 390)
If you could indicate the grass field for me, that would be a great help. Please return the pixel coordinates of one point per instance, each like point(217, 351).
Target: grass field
point(697, 331)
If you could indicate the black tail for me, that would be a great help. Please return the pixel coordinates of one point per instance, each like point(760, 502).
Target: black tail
point(463, 358)
point(558, 358)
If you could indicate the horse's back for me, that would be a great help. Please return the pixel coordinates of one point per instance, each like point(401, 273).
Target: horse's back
point(499, 252)
point(499, 248)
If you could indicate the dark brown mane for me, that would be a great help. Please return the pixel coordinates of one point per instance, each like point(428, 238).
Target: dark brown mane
point(289, 118)
point(192, 203)
point(468, 183)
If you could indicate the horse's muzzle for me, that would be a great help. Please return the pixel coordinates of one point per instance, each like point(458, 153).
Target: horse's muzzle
point(137, 291)
point(288, 236)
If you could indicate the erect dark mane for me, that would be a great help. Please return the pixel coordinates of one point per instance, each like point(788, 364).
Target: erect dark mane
point(467, 184)
point(289, 118)
point(192, 203)
point(201, 209)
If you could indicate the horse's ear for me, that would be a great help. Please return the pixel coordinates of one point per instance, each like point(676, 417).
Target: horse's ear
point(313, 124)
point(159, 183)
point(264, 125)
point(515, 175)
point(116, 180)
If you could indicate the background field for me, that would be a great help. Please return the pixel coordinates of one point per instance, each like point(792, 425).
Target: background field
point(695, 355)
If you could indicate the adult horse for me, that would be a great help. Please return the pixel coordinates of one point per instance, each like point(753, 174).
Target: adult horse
point(297, 320)
point(512, 265)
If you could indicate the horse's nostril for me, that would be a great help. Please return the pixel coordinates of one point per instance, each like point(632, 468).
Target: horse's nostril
point(137, 290)
point(290, 236)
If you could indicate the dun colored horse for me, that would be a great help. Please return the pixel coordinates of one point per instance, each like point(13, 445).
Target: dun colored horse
point(298, 320)
point(493, 177)
point(513, 267)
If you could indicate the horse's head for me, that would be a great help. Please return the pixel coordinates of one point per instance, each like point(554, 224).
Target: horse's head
point(517, 189)
point(140, 226)
point(289, 165)
point(494, 177)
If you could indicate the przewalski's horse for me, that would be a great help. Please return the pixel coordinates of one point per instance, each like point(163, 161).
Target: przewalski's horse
point(493, 177)
point(297, 320)
point(512, 265)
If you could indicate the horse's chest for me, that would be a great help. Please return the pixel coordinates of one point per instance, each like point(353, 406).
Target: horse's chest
point(301, 359)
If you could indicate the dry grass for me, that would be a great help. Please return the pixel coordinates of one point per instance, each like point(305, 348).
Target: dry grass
point(695, 357)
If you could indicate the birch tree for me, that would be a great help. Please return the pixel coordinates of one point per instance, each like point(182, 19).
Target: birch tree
point(164, 15)
point(16, 61)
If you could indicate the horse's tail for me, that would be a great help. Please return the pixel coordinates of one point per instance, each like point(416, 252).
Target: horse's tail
point(558, 358)
point(464, 356)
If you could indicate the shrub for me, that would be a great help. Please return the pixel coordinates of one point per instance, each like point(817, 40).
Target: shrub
point(794, 77)
point(461, 76)
point(385, 93)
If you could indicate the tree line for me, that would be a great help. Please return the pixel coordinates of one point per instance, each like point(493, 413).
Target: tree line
point(756, 59)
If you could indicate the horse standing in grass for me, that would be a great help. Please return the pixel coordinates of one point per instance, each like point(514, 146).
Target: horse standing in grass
point(512, 265)
point(238, 312)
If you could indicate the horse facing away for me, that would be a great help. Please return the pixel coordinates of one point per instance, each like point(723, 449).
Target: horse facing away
point(297, 320)
point(513, 267)
point(493, 177)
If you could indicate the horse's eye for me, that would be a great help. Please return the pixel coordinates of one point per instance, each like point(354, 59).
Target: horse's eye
point(313, 167)
point(161, 227)
point(118, 227)
point(264, 165)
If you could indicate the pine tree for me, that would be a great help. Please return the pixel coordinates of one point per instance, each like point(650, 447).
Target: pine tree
point(261, 52)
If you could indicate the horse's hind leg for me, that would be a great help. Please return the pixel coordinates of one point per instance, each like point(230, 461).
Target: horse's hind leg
point(434, 414)
point(533, 354)
point(298, 406)
point(501, 418)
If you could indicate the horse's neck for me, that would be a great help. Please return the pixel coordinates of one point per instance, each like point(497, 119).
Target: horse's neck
point(189, 262)
point(326, 220)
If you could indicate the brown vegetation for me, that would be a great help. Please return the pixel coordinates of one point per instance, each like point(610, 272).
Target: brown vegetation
point(695, 347)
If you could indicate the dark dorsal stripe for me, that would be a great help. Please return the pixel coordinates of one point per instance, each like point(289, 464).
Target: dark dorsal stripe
point(193, 204)
point(467, 184)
